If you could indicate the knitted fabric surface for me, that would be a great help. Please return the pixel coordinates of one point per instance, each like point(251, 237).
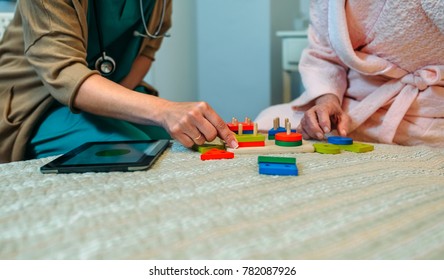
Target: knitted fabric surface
point(384, 204)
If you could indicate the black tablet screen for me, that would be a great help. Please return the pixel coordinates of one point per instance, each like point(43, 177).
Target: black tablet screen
point(111, 154)
point(108, 156)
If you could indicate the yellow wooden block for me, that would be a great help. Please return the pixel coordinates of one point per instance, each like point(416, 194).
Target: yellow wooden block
point(250, 138)
point(357, 147)
point(324, 148)
point(208, 146)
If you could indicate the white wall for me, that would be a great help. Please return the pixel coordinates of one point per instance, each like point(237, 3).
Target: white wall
point(283, 16)
point(233, 60)
point(174, 72)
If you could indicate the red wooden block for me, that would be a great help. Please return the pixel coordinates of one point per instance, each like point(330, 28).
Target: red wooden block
point(292, 137)
point(216, 154)
point(245, 126)
point(251, 144)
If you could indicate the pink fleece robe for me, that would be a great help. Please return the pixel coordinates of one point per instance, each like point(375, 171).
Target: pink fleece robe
point(384, 59)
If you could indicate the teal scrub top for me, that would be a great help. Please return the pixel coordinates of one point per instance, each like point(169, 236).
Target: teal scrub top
point(117, 20)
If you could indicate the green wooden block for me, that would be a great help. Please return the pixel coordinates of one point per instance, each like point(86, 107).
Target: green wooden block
point(250, 138)
point(270, 159)
point(357, 147)
point(206, 147)
point(324, 148)
point(288, 144)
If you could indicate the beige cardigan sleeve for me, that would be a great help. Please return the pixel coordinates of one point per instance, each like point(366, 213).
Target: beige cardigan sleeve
point(55, 36)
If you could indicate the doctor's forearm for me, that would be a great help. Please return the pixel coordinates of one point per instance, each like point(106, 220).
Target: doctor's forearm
point(100, 96)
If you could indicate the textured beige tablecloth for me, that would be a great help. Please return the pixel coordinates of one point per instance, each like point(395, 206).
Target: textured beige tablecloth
point(386, 204)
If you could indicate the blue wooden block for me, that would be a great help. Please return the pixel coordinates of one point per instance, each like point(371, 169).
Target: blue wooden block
point(278, 169)
point(248, 132)
point(272, 132)
point(339, 140)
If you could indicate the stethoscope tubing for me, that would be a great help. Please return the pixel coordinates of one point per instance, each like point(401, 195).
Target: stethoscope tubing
point(159, 27)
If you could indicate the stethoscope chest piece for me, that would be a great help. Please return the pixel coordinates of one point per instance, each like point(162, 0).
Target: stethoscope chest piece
point(105, 65)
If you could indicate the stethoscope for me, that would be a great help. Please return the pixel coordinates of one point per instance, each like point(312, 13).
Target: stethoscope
point(106, 64)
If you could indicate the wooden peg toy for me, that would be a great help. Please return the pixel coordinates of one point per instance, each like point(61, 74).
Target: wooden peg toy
point(254, 145)
point(276, 129)
point(250, 140)
point(288, 138)
point(247, 126)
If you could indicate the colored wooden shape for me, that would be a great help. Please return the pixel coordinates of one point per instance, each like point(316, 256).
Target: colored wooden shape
point(271, 148)
point(233, 127)
point(250, 138)
point(324, 148)
point(272, 132)
point(270, 159)
point(339, 140)
point(357, 147)
point(245, 127)
point(288, 144)
point(216, 154)
point(251, 144)
point(281, 169)
point(206, 147)
point(292, 137)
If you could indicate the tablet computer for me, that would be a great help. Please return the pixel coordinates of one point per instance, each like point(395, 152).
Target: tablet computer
point(108, 156)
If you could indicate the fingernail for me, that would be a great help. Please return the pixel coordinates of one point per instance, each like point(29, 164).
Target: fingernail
point(319, 135)
point(234, 144)
point(326, 129)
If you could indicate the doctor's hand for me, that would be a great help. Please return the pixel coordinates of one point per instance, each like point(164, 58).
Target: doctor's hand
point(194, 123)
point(324, 116)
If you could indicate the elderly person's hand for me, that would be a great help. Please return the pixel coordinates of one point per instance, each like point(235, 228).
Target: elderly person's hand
point(324, 116)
